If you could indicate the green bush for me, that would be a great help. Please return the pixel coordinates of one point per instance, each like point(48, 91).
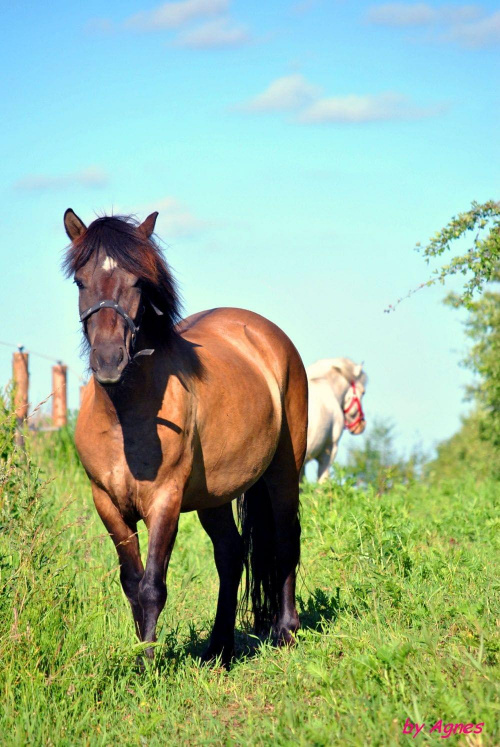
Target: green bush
point(466, 453)
point(373, 460)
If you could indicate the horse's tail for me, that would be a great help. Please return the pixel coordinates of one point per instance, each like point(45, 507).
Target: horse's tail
point(259, 544)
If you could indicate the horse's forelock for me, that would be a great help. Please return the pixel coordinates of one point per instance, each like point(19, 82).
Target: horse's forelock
point(134, 252)
point(120, 239)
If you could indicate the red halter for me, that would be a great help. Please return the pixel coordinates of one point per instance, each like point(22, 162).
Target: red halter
point(354, 400)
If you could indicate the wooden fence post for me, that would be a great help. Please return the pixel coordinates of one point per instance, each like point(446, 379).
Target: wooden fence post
point(59, 405)
point(20, 374)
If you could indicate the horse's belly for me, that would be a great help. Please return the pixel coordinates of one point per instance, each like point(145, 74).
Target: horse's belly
point(235, 448)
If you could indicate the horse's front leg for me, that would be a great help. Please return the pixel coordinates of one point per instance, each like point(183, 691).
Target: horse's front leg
point(124, 536)
point(162, 522)
point(220, 526)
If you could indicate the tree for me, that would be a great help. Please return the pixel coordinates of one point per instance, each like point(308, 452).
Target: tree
point(481, 261)
point(466, 453)
point(483, 328)
point(375, 461)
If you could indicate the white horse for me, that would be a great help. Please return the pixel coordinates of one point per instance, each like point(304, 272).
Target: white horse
point(336, 387)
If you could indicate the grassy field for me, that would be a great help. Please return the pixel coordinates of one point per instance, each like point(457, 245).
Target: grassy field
point(397, 596)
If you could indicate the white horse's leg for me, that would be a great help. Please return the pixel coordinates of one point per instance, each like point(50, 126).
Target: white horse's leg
point(325, 461)
point(323, 466)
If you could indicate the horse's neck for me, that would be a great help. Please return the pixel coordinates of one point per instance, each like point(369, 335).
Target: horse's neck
point(340, 386)
point(121, 403)
point(142, 393)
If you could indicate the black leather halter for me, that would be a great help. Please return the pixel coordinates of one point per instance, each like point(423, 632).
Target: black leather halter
point(134, 328)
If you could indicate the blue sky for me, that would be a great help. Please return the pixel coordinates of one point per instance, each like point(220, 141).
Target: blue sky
point(296, 153)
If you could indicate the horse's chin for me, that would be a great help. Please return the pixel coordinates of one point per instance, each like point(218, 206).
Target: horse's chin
point(109, 378)
point(358, 430)
point(108, 381)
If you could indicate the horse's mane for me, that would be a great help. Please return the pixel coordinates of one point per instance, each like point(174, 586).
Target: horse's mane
point(346, 366)
point(120, 238)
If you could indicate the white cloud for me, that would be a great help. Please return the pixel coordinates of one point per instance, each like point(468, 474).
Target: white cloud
point(453, 14)
point(466, 25)
point(215, 34)
point(303, 6)
point(483, 32)
point(93, 177)
point(175, 14)
point(421, 14)
point(296, 93)
point(174, 219)
point(402, 14)
point(369, 108)
point(284, 94)
point(100, 26)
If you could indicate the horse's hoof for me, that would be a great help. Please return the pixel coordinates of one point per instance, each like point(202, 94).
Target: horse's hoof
point(285, 636)
point(140, 664)
point(223, 653)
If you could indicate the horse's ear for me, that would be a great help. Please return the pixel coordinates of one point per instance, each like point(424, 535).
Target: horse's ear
point(148, 226)
point(73, 225)
point(357, 370)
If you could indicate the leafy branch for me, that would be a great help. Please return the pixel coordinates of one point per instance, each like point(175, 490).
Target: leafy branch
point(481, 262)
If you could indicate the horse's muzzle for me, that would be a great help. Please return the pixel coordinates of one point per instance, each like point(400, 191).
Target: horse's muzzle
point(108, 362)
point(359, 428)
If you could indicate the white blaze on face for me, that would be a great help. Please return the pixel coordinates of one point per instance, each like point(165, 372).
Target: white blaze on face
point(109, 264)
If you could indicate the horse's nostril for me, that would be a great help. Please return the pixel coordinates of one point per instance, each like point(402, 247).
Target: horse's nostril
point(121, 356)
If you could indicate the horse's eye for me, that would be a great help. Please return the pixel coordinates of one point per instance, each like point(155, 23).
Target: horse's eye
point(79, 284)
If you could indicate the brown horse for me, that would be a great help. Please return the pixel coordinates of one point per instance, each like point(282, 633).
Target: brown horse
point(187, 417)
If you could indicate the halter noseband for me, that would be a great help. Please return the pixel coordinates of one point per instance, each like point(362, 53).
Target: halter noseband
point(134, 328)
point(354, 400)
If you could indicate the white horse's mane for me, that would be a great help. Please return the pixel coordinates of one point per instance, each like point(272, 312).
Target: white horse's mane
point(349, 370)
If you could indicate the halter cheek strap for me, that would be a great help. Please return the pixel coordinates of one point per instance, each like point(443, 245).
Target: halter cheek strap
point(354, 400)
point(134, 328)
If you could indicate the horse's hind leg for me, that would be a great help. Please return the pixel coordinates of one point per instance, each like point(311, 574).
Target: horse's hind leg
point(282, 479)
point(220, 526)
point(284, 495)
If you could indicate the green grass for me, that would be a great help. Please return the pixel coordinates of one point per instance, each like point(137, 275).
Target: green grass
point(396, 593)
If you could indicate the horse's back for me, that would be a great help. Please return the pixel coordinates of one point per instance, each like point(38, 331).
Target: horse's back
point(253, 386)
point(237, 334)
point(243, 330)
